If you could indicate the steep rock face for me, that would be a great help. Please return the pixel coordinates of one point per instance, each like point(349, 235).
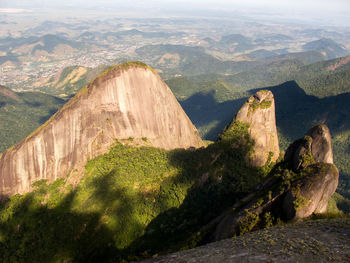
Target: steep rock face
point(321, 146)
point(259, 113)
point(311, 156)
point(129, 100)
point(315, 146)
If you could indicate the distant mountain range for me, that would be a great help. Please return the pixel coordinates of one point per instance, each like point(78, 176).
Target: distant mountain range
point(46, 45)
point(329, 48)
point(184, 60)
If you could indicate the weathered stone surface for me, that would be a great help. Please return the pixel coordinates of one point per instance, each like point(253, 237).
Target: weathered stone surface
point(259, 113)
point(314, 147)
point(321, 146)
point(312, 192)
point(129, 100)
point(311, 241)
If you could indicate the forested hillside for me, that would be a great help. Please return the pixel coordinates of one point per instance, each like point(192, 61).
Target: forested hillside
point(129, 202)
point(22, 112)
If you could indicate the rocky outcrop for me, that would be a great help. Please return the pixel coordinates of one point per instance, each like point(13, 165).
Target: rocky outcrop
point(287, 194)
point(312, 157)
point(314, 147)
point(259, 113)
point(312, 192)
point(129, 100)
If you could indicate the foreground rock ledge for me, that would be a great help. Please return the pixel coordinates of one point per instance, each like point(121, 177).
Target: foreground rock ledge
point(311, 241)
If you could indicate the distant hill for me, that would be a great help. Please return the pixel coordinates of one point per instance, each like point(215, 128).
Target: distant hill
point(329, 48)
point(48, 26)
point(185, 60)
point(9, 58)
point(175, 56)
point(44, 45)
point(126, 35)
point(261, 53)
point(316, 78)
point(48, 43)
point(23, 112)
point(325, 78)
point(235, 43)
point(307, 57)
point(272, 39)
point(68, 81)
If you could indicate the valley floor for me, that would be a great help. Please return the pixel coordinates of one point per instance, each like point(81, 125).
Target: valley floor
point(323, 240)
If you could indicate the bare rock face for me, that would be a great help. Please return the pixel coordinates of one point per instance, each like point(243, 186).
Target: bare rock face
point(259, 113)
point(129, 100)
point(314, 147)
point(312, 192)
point(321, 146)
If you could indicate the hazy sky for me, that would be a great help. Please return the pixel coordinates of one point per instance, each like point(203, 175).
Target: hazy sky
point(315, 9)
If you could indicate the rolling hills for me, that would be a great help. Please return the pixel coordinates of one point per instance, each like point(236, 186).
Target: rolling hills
point(68, 81)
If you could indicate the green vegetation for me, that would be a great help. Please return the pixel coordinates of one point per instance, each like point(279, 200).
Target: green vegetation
point(132, 202)
point(254, 105)
point(21, 113)
point(299, 200)
point(125, 66)
point(247, 224)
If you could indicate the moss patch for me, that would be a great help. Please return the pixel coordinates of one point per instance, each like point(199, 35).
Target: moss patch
point(265, 104)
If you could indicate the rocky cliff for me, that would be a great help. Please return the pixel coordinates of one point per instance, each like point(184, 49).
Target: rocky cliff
point(315, 146)
point(259, 113)
point(297, 187)
point(128, 100)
